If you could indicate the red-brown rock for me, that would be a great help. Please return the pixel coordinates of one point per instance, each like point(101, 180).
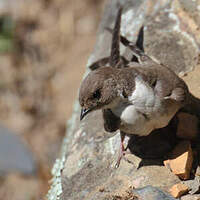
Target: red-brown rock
point(178, 190)
point(181, 160)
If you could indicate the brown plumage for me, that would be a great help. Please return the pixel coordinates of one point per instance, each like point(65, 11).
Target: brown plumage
point(136, 97)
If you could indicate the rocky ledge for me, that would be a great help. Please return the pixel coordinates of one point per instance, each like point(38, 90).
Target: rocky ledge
point(85, 169)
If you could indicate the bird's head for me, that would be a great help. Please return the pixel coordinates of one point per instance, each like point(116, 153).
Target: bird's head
point(97, 90)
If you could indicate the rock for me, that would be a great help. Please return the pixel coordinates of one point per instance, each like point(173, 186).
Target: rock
point(191, 197)
point(197, 173)
point(167, 163)
point(14, 154)
point(157, 144)
point(152, 193)
point(193, 185)
point(88, 152)
point(178, 190)
point(181, 160)
point(187, 126)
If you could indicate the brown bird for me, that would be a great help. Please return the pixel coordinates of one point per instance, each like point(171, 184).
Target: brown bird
point(136, 97)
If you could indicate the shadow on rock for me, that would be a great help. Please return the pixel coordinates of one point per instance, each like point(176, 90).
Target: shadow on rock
point(154, 148)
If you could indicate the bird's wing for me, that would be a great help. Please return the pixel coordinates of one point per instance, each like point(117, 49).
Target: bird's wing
point(115, 48)
point(103, 62)
point(163, 81)
point(99, 63)
point(114, 60)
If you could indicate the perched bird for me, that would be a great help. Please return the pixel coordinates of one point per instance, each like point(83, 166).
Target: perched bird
point(135, 96)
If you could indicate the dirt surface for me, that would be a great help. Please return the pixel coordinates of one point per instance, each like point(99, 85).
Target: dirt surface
point(40, 77)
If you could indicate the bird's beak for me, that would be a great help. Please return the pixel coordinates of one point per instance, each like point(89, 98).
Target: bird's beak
point(84, 112)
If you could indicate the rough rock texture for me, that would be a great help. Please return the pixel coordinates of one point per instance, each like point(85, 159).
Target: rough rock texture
point(191, 197)
point(193, 185)
point(178, 190)
point(85, 169)
point(152, 193)
point(181, 160)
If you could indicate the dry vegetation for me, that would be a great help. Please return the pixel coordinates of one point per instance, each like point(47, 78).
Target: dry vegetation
point(40, 74)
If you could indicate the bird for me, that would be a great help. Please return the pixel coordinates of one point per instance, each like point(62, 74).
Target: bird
point(137, 96)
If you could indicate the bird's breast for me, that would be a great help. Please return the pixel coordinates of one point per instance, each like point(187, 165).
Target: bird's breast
point(144, 111)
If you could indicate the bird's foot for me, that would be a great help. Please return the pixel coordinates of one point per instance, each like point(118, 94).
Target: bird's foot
point(121, 156)
point(122, 151)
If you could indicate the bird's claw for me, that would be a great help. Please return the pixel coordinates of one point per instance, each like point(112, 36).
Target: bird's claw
point(122, 156)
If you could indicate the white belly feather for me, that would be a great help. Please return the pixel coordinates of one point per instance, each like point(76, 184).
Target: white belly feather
point(144, 111)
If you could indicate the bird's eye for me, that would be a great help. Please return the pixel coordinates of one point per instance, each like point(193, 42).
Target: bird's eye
point(97, 94)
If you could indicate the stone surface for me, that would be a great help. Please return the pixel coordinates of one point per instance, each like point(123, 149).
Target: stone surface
point(197, 173)
point(156, 145)
point(191, 197)
point(152, 193)
point(193, 185)
point(166, 163)
point(85, 169)
point(187, 126)
point(181, 160)
point(14, 154)
point(178, 190)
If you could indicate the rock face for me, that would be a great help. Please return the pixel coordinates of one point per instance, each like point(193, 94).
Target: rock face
point(178, 190)
point(86, 167)
point(152, 193)
point(181, 160)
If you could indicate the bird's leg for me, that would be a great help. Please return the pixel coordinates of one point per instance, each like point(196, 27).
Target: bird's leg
point(122, 150)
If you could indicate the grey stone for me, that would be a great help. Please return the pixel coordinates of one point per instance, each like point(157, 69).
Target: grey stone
point(197, 173)
point(193, 185)
point(14, 154)
point(192, 8)
point(152, 193)
point(85, 169)
point(191, 197)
